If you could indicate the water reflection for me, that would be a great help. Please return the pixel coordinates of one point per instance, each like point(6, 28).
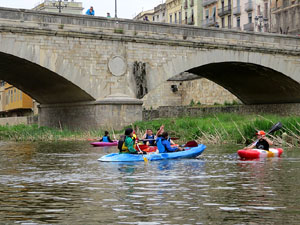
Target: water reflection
point(63, 183)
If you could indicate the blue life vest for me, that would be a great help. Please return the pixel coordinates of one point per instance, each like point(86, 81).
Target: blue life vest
point(152, 142)
point(105, 139)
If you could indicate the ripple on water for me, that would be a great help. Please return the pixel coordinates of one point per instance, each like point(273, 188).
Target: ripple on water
point(65, 184)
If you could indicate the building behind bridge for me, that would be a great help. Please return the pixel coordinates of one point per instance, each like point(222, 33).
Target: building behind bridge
point(66, 6)
point(14, 102)
point(275, 16)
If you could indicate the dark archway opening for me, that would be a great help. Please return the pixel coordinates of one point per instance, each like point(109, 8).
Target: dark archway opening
point(43, 85)
point(251, 83)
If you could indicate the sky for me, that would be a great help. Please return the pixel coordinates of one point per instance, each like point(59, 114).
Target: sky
point(125, 8)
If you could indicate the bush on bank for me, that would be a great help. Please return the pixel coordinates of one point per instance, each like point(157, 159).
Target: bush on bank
point(213, 129)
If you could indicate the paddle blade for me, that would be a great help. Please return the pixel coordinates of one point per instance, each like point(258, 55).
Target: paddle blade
point(191, 144)
point(145, 159)
point(276, 127)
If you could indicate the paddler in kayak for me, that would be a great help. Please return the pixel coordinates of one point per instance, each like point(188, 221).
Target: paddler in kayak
point(262, 142)
point(106, 137)
point(159, 134)
point(164, 145)
point(127, 145)
point(149, 138)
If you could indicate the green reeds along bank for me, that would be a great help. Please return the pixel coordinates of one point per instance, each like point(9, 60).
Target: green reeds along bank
point(227, 128)
point(36, 133)
point(213, 129)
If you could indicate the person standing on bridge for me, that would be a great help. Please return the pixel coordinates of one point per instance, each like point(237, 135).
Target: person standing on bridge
point(90, 11)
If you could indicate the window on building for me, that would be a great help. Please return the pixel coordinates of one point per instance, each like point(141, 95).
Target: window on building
point(192, 16)
point(238, 22)
point(180, 17)
point(175, 18)
point(238, 3)
point(206, 14)
point(6, 98)
point(266, 9)
point(15, 95)
point(11, 96)
point(229, 22)
point(21, 96)
point(214, 13)
point(276, 3)
point(170, 18)
point(223, 22)
point(185, 17)
point(249, 17)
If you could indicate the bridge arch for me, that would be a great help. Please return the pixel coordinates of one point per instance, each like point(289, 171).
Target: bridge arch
point(42, 74)
point(254, 77)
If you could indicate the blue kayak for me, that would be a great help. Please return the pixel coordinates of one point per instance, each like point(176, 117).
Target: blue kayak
point(188, 153)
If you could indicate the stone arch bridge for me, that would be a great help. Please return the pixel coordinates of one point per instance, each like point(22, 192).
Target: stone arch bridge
point(81, 68)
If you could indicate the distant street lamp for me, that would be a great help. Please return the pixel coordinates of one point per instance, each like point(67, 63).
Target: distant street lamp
point(59, 6)
point(116, 9)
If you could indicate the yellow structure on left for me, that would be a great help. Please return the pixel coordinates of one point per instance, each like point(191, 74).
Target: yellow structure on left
point(14, 102)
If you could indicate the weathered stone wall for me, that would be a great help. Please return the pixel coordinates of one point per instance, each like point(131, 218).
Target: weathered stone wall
point(199, 91)
point(179, 111)
point(90, 116)
point(13, 120)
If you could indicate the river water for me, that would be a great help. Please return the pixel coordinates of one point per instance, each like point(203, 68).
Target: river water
point(63, 183)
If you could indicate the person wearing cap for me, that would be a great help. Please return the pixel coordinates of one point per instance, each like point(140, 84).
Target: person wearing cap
point(262, 141)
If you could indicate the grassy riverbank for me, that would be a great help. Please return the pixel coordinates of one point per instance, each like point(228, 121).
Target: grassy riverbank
point(228, 128)
point(214, 129)
point(35, 133)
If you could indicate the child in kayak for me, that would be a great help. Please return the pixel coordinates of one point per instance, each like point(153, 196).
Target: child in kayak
point(164, 145)
point(105, 138)
point(150, 137)
point(262, 141)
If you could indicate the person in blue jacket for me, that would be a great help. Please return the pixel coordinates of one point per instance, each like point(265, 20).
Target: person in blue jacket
point(105, 138)
point(90, 11)
point(164, 145)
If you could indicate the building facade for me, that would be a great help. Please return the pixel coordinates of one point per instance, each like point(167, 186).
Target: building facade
point(65, 6)
point(225, 13)
point(251, 15)
point(145, 15)
point(174, 11)
point(285, 17)
point(14, 102)
point(160, 13)
point(210, 13)
point(192, 12)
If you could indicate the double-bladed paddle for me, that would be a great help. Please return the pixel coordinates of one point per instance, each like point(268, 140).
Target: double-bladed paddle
point(275, 127)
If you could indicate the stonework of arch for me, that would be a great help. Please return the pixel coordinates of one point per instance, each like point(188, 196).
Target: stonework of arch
point(279, 74)
point(40, 71)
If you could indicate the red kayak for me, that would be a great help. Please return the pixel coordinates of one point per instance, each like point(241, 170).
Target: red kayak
point(147, 148)
point(104, 144)
point(258, 153)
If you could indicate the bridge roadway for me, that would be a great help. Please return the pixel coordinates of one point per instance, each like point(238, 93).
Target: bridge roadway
point(80, 68)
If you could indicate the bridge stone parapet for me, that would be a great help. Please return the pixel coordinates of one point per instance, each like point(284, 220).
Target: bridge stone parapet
point(100, 28)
